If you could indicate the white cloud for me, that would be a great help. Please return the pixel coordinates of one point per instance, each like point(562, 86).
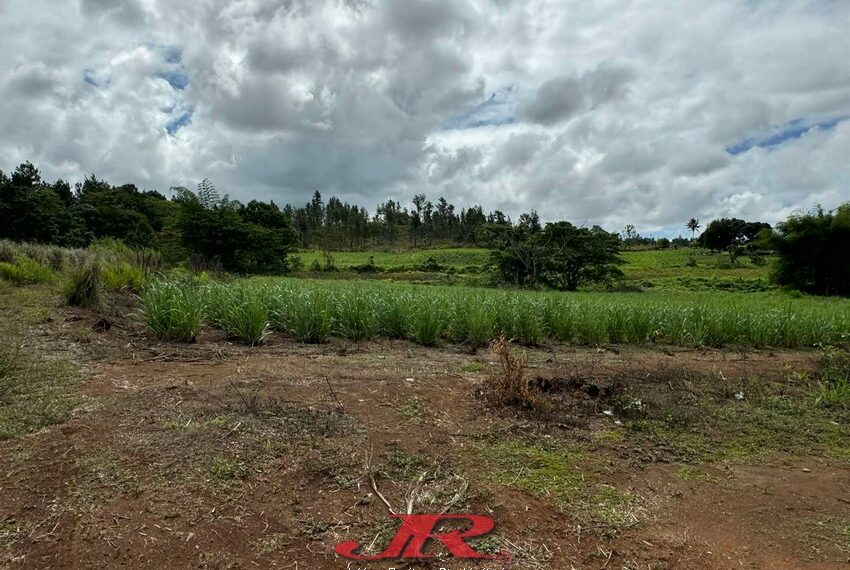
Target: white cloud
point(608, 112)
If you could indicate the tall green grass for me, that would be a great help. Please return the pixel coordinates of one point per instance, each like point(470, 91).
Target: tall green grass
point(25, 270)
point(173, 309)
point(311, 311)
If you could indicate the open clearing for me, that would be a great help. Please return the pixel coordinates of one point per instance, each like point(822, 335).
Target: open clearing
point(220, 455)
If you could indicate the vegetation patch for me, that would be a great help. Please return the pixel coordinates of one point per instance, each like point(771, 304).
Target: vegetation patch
point(697, 418)
point(311, 311)
point(561, 477)
point(35, 391)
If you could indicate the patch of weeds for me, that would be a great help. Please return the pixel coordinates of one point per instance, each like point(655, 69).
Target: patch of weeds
point(379, 535)
point(426, 484)
point(612, 510)
point(699, 418)
point(103, 471)
point(295, 421)
point(315, 530)
point(403, 465)
point(11, 531)
point(544, 473)
point(471, 366)
point(226, 469)
point(26, 271)
point(532, 553)
point(35, 391)
point(413, 410)
point(833, 387)
point(271, 543)
point(332, 461)
point(836, 529)
point(557, 476)
point(693, 474)
point(609, 436)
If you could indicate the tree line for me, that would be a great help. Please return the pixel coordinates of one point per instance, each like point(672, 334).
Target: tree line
point(204, 227)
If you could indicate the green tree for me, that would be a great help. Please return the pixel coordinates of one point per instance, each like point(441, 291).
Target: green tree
point(726, 233)
point(693, 225)
point(813, 252)
point(561, 255)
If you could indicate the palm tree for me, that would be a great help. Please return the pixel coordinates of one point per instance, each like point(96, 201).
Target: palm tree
point(693, 225)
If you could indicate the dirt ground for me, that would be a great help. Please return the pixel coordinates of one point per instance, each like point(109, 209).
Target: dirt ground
point(215, 455)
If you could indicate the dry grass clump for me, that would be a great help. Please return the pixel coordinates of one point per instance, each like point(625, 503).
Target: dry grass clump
point(509, 385)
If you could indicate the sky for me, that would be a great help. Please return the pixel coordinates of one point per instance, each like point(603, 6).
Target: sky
point(608, 112)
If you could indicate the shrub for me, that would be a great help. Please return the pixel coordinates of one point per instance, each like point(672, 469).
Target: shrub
point(25, 271)
point(84, 286)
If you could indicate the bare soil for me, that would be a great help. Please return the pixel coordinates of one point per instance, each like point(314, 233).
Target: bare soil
point(215, 455)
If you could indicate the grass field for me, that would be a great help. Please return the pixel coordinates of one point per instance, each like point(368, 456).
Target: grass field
point(312, 310)
point(678, 269)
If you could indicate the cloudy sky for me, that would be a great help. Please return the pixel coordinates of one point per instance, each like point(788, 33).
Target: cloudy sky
point(609, 112)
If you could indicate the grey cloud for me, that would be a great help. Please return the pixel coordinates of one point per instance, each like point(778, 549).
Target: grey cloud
point(562, 97)
point(622, 110)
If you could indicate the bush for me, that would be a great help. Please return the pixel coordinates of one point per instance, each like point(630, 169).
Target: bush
point(25, 271)
point(813, 255)
point(84, 286)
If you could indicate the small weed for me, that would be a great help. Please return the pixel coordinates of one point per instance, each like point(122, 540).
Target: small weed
point(272, 543)
point(471, 366)
point(693, 474)
point(413, 410)
point(227, 469)
point(314, 530)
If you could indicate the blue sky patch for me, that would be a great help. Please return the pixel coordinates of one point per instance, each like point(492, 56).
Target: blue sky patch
point(91, 77)
point(791, 130)
point(178, 122)
point(177, 78)
point(498, 109)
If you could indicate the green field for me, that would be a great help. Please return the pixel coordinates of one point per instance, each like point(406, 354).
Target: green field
point(457, 257)
point(681, 269)
point(313, 310)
